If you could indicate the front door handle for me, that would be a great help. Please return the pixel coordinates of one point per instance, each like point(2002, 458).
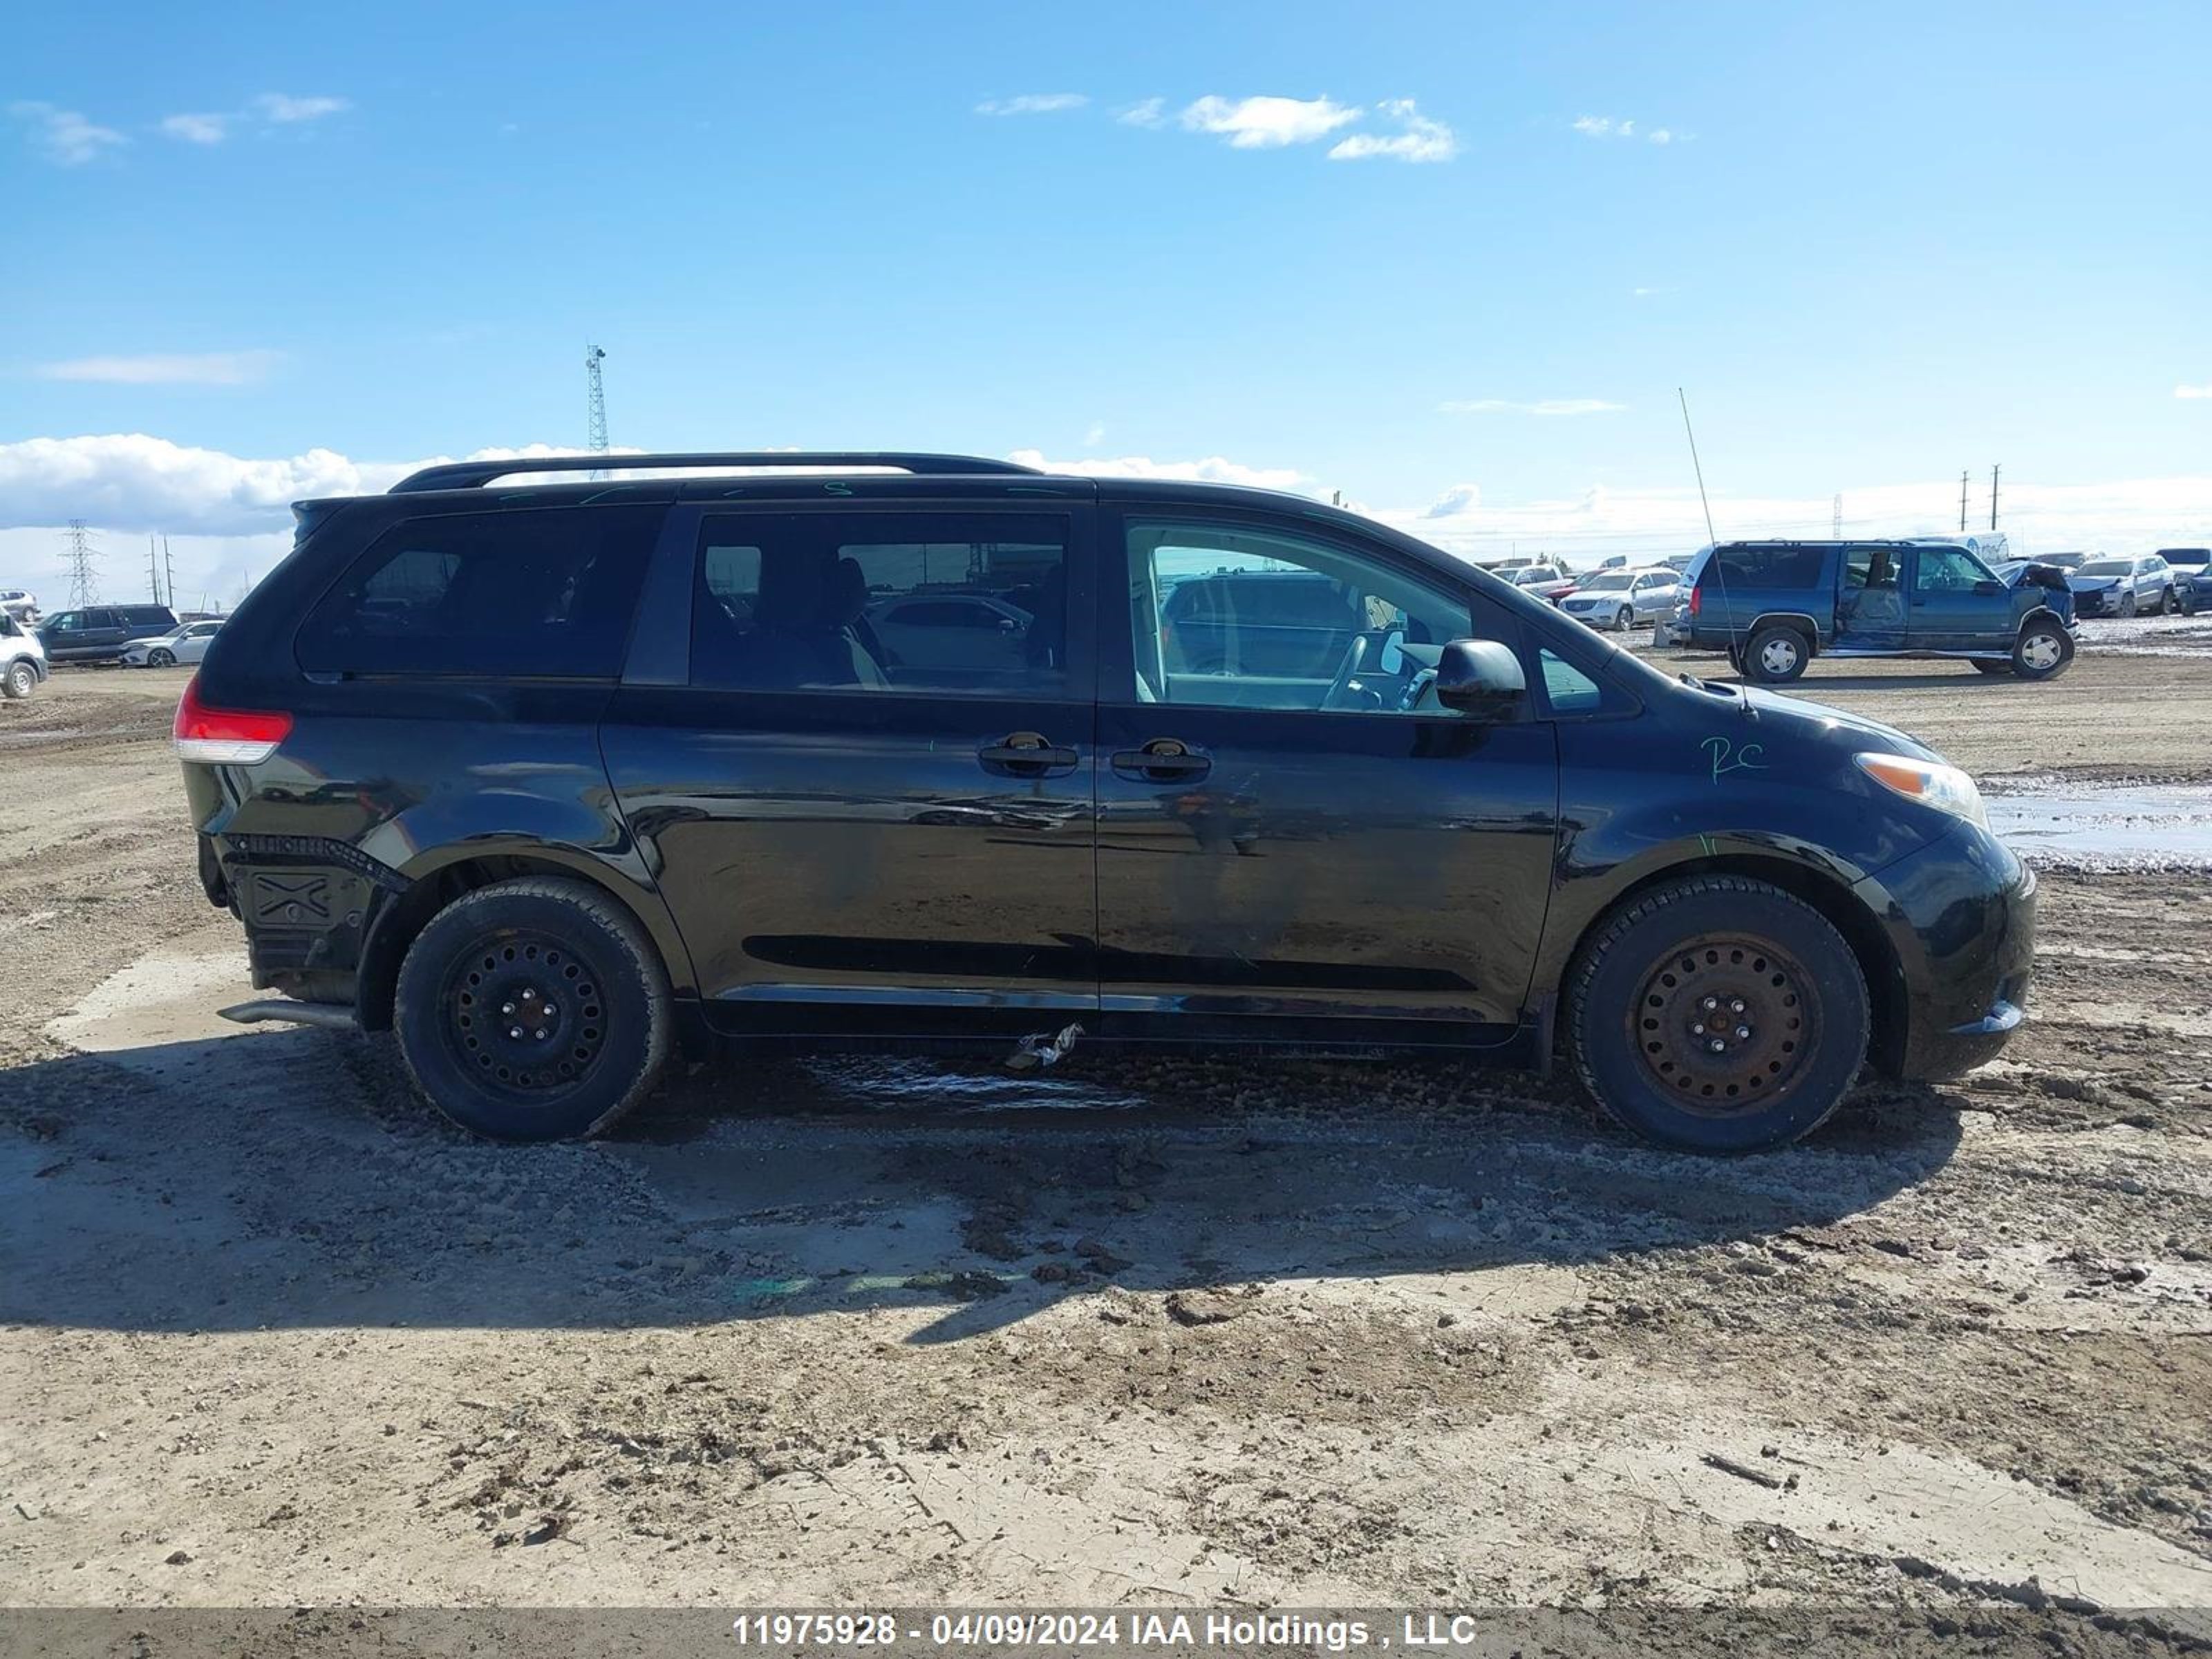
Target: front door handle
point(1164, 760)
point(1026, 755)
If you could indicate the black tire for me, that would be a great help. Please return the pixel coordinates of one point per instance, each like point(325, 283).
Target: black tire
point(473, 975)
point(161, 657)
point(1637, 1011)
point(1776, 653)
point(2043, 651)
point(20, 680)
point(2164, 601)
point(1624, 619)
point(2185, 598)
point(2128, 603)
point(1991, 667)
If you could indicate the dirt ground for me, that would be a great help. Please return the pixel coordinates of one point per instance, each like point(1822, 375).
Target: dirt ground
point(865, 1333)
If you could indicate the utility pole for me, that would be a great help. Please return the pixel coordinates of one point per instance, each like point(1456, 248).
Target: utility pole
point(1993, 494)
point(152, 573)
point(595, 404)
point(83, 564)
point(1962, 502)
point(169, 568)
point(1836, 519)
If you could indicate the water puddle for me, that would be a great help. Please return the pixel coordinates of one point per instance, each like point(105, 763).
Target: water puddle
point(2115, 827)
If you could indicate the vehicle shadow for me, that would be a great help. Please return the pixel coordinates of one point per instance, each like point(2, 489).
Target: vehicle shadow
point(288, 1180)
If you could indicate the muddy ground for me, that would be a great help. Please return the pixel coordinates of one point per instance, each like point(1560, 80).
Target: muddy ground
point(1148, 1333)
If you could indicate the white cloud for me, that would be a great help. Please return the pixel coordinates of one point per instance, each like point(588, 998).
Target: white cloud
point(1146, 113)
point(1423, 138)
point(160, 369)
point(1646, 293)
point(1606, 126)
point(1267, 123)
point(285, 110)
point(1541, 406)
point(1094, 435)
point(1213, 469)
point(65, 136)
point(198, 129)
point(1460, 499)
point(1032, 103)
point(2204, 391)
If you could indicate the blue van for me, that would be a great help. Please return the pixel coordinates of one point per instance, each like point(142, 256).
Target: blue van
point(1774, 605)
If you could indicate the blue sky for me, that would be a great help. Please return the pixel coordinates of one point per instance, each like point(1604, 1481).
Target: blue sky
point(1878, 245)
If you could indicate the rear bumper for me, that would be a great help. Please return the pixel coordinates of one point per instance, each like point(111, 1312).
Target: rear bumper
point(1960, 915)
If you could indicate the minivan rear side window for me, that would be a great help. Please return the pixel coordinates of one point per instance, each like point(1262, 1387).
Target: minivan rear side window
point(1756, 568)
point(545, 593)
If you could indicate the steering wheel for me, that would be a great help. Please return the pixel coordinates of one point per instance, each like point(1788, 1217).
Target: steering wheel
point(1339, 692)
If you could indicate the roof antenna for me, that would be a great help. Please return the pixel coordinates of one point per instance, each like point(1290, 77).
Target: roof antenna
point(1720, 565)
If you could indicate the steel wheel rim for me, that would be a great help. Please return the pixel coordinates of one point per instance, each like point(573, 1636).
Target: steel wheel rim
point(524, 1017)
point(1778, 656)
point(1725, 1024)
point(19, 677)
point(2039, 650)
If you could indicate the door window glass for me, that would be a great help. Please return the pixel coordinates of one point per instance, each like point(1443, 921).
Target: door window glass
point(1753, 568)
point(1947, 570)
point(964, 602)
point(1567, 689)
point(1230, 617)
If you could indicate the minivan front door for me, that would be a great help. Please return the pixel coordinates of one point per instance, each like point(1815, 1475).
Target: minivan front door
point(869, 805)
point(1311, 852)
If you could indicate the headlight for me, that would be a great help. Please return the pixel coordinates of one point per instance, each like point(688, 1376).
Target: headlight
point(1929, 782)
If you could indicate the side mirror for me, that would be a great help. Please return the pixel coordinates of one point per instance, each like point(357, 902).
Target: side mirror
point(1987, 586)
point(1481, 679)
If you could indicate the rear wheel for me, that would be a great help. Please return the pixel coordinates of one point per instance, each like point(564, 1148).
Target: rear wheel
point(1776, 653)
point(1717, 1014)
point(533, 1010)
point(20, 681)
point(2164, 601)
point(2043, 649)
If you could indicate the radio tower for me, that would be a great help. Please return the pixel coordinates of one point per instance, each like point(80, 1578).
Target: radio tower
point(595, 404)
point(83, 565)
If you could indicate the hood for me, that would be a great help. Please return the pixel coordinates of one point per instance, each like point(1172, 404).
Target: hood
point(2051, 577)
point(2081, 584)
point(150, 639)
point(1822, 720)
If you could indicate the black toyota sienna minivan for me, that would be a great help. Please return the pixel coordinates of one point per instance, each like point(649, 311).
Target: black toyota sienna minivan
point(553, 780)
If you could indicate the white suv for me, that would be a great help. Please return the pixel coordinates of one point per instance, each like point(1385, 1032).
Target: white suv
point(22, 659)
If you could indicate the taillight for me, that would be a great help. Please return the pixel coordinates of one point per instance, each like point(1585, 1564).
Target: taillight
point(1695, 595)
point(225, 737)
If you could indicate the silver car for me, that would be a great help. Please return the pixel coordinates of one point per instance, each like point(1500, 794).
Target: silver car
point(187, 643)
point(1622, 599)
point(2121, 587)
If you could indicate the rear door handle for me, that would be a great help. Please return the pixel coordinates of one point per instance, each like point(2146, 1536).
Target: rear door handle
point(1026, 755)
point(1164, 760)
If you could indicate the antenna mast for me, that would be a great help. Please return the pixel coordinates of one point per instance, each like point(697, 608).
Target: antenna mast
point(83, 565)
point(595, 402)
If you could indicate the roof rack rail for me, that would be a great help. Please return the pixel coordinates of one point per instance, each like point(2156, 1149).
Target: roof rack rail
point(473, 475)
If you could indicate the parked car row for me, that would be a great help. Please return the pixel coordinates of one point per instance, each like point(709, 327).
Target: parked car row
point(138, 636)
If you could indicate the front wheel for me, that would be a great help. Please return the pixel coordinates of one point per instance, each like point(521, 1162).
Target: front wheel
point(2165, 602)
point(1717, 1014)
point(533, 1010)
point(2042, 650)
point(1776, 653)
point(161, 657)
point(1624, 619)
point(2127, 604)
point(20, 681)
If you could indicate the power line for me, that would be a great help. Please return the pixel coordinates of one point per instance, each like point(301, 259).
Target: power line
point(83, 565)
